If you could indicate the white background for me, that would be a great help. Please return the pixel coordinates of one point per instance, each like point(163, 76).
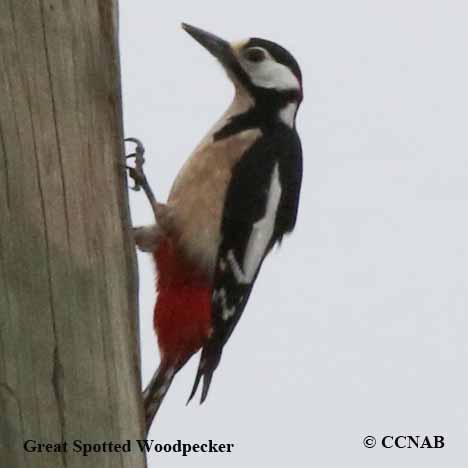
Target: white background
point(358, 324)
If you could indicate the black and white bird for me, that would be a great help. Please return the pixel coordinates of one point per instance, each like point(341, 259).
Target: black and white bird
point(235, 198)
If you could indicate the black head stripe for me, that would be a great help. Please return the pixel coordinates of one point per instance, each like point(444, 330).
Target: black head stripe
point(280, 54)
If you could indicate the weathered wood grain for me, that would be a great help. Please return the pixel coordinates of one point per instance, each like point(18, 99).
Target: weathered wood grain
point(68, 291)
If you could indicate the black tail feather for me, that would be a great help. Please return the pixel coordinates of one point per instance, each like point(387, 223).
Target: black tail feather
point(195, 384)
point(208, 363)
point(155, 392)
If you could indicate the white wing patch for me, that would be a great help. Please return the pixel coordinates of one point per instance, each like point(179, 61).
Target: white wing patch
point(288, 114)
point(227, 312)
point(260, 236)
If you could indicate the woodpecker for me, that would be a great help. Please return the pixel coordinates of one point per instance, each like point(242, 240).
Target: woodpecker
point(236, 196)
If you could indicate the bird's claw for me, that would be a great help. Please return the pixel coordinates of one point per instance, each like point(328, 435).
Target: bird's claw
point(136, 176)
point(136, 172)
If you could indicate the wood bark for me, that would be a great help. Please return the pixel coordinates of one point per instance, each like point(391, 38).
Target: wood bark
point(69, 362)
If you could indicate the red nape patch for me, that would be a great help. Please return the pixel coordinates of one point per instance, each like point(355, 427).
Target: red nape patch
point(182, 315)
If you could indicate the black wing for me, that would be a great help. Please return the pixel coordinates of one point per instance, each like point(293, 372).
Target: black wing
point(260, 207)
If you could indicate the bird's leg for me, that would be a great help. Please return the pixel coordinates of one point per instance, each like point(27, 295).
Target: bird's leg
point(146, 237)
point(139, 178)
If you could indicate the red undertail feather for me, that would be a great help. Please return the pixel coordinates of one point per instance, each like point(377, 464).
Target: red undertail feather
point(182, 320)
point(182, 316)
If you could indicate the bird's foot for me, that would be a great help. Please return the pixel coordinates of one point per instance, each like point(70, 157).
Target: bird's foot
point(136, 172)
point(147, 238)
point(139, 178)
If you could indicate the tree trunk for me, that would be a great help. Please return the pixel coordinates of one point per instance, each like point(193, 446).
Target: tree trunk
point(69, 361)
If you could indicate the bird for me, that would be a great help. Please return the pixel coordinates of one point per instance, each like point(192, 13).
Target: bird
point(233, 200)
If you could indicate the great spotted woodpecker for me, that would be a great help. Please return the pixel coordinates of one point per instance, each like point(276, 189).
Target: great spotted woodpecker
point(233, 200)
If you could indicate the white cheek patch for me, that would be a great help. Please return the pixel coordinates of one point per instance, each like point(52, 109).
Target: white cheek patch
point(260, 236)
point(271, 74)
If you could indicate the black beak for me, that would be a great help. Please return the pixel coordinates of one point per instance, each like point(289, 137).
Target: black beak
point(213, 44)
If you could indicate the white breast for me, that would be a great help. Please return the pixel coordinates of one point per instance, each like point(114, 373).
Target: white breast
point(197, 197)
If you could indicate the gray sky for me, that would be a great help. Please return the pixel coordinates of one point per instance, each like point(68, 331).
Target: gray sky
point(357, 325)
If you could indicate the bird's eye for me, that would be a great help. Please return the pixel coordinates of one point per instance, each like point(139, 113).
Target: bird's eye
point(254, 54)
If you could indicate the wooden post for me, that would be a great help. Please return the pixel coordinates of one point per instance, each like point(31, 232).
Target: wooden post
point(69, 360)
